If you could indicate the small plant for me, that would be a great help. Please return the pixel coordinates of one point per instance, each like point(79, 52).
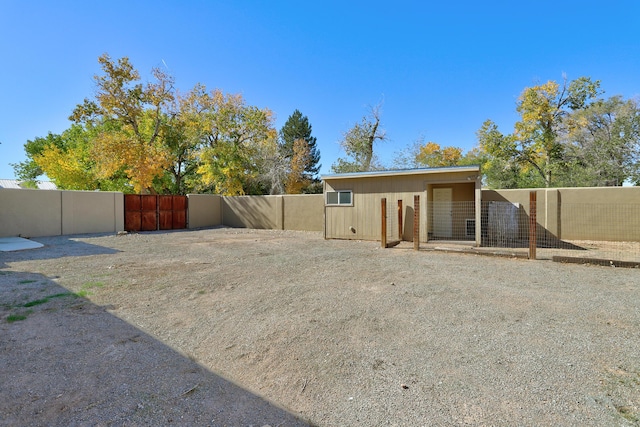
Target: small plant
point(47, 298)
point(85, 289)
point(15, 317)
point(18, 316)
point(36, 302)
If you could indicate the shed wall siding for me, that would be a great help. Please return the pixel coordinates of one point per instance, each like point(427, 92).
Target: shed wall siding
point(462, 192)
point(365, 214)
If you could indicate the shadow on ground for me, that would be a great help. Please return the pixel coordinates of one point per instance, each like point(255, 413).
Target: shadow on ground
point(65, 246)
point(66, 361)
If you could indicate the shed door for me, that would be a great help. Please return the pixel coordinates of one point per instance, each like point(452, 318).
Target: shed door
point(442, 212)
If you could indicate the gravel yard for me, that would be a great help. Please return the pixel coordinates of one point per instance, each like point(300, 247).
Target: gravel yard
point(236, 327)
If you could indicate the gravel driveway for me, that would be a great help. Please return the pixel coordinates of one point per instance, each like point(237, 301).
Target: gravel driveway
point(236, 327)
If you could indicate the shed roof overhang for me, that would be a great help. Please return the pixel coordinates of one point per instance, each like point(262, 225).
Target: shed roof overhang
point(473, 169)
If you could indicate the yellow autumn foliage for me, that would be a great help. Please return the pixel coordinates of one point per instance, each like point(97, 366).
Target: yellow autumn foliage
point(67, 169)
point(432, 155)
point(296, 180)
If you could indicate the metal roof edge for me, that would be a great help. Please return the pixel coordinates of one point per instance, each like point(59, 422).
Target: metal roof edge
point(401, 172)
point(17, 184)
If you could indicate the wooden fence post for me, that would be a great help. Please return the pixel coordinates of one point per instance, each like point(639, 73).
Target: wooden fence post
point(383, 215)
point(400, 220)
point(533, 225)
point(416, 223)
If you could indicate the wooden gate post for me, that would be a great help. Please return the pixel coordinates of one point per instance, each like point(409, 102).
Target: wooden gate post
point(416, 223)
point(400, 220)
point(533, 225)
point(383, 215)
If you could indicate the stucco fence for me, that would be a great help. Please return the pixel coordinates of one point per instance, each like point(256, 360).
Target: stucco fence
point(595, 213)
point(34, 213)
point(302, 212)
point(566, 213)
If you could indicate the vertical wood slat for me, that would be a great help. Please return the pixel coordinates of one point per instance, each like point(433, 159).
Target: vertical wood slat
point(149, 212)
point(383, 215)
point(132, 212)
point(165, 212)
point(533, 224)
point(416, 223)
point(180, 210)
point(400, 220)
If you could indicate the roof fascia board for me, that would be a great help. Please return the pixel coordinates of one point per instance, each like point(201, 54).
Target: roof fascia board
point(457, 169)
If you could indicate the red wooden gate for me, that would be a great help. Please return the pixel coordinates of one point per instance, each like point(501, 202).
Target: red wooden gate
point(143, 212)
point(172, 212)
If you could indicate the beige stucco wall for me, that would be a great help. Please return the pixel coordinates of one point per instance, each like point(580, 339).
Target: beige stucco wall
point(566, 213)
point(609, 213)
point(303, 212)
point(36, 213)
point(92, 212)
point(586, 213)
point(30, 213)
point(251, 212)
point(286, 212)
point(205, 210)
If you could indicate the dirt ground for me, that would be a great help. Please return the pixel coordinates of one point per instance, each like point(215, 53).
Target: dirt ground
point(235, 327)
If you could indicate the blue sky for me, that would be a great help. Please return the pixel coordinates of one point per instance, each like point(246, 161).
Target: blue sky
point(440, 69)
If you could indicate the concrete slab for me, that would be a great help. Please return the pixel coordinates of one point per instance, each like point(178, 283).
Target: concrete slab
point(8, 244)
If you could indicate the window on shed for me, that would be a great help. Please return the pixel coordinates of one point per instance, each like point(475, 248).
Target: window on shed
point(340, 198)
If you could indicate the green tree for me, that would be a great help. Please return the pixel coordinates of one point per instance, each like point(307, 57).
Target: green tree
point(297, 127)
point(603, 143)
point(183, 137)
point(67, 160)
point(358, 144)
point(145, 137)
point(232, 135)
point(179, 176)
point(534, 152)
point(69, 164)
point(29, 170)
point(134, 143)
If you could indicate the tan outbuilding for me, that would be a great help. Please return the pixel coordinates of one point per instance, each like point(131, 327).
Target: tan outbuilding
point(449, 203)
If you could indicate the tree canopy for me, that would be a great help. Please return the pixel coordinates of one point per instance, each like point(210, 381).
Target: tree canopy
point(224, 135)
point(566, 136)
point(430, 154)
point(144, 136)
point(148, 138)
point(603, 143)
point(135, 115)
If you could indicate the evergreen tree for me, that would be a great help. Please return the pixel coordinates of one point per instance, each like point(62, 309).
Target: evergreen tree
point(297, 127)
